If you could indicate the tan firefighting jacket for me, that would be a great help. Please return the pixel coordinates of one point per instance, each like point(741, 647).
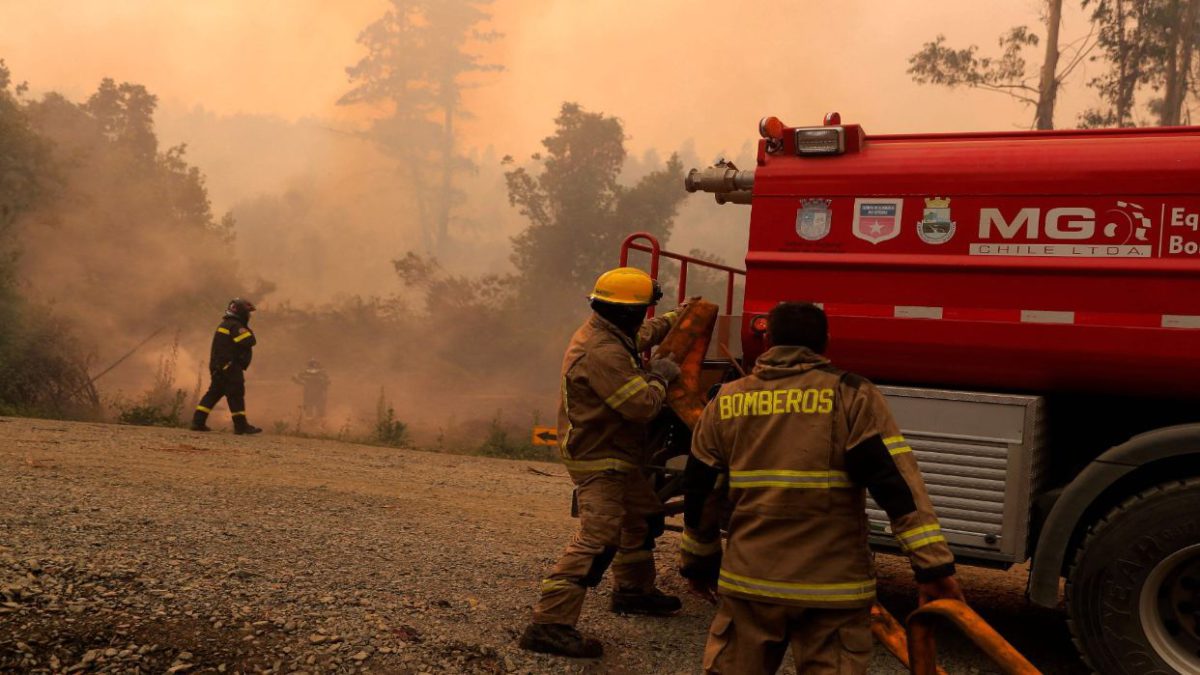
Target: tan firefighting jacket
point(607, 397)
point(800, 441)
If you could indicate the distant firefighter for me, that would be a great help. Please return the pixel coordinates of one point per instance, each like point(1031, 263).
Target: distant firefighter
point(315, 382)
point(232, 349)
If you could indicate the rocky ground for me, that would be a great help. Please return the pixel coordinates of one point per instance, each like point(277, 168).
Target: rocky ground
point(128, 549)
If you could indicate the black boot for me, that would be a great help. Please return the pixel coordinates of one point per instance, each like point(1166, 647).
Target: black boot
point(242, 427)
point(654, 603)
point(561, 640)
point(198, 421)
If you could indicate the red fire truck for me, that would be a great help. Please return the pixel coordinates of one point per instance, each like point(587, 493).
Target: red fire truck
point(1030, 304)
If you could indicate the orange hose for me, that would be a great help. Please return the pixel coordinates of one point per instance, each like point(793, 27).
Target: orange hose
point(889, 633)
point(686, 345)
point(922, 650)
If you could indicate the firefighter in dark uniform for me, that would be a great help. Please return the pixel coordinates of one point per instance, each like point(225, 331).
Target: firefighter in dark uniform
point(315, 382)
point(232, 349)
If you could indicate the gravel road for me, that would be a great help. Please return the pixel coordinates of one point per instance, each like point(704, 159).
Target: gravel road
point(129, 549)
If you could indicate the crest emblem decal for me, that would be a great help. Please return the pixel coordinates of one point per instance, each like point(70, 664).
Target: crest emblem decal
point(877, 220)
point(935, 226)
point(814, 219)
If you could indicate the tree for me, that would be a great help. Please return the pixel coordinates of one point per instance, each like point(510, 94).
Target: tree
point(1147, 44)
point(415, 70)
point(1180, 51)
point(1048, 79)
point(24, 161)
point(43, 369)
point(134, 221)
point(125, 114)
point(578, 210)
point(1010, 73)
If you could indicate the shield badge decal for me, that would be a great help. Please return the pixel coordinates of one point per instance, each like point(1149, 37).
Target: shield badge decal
point(935, 226)
point(877, 220)
point(814, 219)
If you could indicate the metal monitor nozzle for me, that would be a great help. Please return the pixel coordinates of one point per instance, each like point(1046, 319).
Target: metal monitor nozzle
point(726, 181)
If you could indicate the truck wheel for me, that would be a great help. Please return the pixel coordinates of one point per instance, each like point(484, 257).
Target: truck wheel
point(1133, 590)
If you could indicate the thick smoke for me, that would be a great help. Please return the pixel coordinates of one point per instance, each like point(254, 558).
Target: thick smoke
point(321, 213)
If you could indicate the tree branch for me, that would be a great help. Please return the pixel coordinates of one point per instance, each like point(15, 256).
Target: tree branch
point(1086, 45)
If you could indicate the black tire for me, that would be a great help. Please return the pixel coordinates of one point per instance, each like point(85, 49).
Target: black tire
point(1133, 590)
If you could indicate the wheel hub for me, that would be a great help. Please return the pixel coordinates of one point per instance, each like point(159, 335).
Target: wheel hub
point(1169, 609)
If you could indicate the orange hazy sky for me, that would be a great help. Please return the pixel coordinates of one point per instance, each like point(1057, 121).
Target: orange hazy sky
point(671, 69)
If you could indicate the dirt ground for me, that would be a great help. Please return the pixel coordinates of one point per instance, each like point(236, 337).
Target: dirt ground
point(129, 549)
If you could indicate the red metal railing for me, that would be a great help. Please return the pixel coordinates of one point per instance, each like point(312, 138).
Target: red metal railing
point(656, 252)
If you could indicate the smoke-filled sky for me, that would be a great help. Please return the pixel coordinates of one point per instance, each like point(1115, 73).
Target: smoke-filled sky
point(671, 69)
point(251, 86)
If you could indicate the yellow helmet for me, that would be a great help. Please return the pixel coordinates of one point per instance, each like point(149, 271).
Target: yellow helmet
point(626, 286)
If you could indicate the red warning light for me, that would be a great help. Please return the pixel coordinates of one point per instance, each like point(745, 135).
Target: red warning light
point(771, 128)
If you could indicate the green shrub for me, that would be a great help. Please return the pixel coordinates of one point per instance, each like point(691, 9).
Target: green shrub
point(162, 405)
point(500, 443)
point(43, 368)
point(155, 414)
point(388, 430)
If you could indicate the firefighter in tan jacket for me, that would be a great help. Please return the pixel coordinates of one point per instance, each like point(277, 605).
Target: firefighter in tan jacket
point(801, 442)
point(607, 402)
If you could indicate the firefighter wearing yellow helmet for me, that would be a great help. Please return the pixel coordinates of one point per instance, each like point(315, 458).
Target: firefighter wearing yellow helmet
point(627, 286)
point(607, 402)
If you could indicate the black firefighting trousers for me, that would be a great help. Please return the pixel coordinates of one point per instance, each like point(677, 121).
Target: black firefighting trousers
point(231, 385)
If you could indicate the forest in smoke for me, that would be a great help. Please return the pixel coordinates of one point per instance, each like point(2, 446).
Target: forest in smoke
point(387, 260)
point(435, 277)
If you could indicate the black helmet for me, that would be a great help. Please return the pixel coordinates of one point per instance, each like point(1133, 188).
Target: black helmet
point(239, 309)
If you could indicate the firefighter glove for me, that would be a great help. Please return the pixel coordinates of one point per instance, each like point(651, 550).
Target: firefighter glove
point(667, 369)
point(704, 569)
point(684, 305)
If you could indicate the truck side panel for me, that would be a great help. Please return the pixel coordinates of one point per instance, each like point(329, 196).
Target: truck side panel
point(1038, 263)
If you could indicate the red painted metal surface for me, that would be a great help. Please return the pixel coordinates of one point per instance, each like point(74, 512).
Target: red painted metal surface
point(1032, 261)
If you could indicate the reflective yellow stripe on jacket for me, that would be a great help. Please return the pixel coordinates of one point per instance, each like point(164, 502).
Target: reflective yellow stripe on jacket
point(243, 336)
point(911, 540)
point(626, 392)
point(566, 437)
point(896, 445)
point(598, 465)
point(671, 317)
point(557, 585)
point(222, 330)
point(781, 478)
point(843, 592)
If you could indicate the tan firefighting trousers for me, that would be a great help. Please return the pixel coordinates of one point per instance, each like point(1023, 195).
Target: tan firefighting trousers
point(750, 637)
point(613, 528)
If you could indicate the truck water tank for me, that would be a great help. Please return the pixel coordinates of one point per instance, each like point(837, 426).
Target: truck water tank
point(1028, 261)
